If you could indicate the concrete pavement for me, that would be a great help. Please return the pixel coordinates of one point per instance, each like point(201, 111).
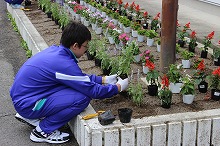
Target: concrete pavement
point(12, 56)
point(204, 17)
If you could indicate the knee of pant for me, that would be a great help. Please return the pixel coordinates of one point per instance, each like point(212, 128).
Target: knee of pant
point(82, 103)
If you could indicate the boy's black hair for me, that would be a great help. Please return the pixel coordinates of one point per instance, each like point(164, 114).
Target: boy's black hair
point(75, 32)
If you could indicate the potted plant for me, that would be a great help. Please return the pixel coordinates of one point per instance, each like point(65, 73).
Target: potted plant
point(175, 78)
point(99, 22)
point(64, 19)
point(135, 26)
point(114, 64)
point(125, 61)
point(216, 55)
point(55, 12)
point(126, 23)
point(145, 57)
point(165, 95)
point(152, 79)
point(115, 17)
point(192, 43)
point(105, 63)
point(136, 93)
point(186, 56)
point(151, 34)
point(155, 22)
point(99, 52)
point(48, 8)
point(206, 44)
point(214, 84)
point(136, 50)
point(182, 33)
point(200, 75)
point(124, 38)
point(188, 90)
point(146, 18)
point(158, 41)
point(91, 53)
point(115, 35)
point(141, 34)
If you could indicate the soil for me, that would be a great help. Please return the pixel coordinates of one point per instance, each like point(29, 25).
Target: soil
point(151, 105)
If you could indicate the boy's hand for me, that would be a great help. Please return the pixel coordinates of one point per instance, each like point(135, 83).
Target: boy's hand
point(123, 84)
point(112, 79)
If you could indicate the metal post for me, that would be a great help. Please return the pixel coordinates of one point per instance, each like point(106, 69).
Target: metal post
point(168, 34)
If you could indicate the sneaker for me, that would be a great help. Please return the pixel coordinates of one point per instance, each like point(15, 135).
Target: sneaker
point(17, 6)
point(54, 137)
point(31, 122)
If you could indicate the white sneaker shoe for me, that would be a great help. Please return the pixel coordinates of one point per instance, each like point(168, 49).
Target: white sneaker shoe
point(54, 137)
point(17, 6)
point(31, 122)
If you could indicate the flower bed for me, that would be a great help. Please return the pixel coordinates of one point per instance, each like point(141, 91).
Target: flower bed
point(148, 130)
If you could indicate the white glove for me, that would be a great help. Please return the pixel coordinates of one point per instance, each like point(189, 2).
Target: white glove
point(112, 79)
point(123, 83)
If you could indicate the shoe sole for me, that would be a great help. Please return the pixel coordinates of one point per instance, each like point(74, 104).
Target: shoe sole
point(23, 121)
point(35, 139)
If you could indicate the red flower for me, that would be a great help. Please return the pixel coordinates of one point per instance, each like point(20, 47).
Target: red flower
point(145, 14)
point(201, 66)
point(211, 35)
point(137, 8)
point(132, 5)
point(165, 81)
point(177, 23)
point(120, 2)
point(157, 16)
point(187, 25)
point(219, 42)
point(216, 72)
point(193, 34)
point(150, 65)
point(126, 5)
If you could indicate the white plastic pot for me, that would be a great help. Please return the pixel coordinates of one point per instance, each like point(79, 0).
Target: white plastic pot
point(188, 99)
point(175, 87)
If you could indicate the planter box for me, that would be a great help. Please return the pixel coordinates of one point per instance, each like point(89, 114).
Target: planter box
point(201, 128)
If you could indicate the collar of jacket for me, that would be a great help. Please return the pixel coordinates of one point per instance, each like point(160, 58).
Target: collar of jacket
point(70, 53)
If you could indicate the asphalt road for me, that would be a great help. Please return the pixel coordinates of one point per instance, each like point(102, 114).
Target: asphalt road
point(12, 56)
point(204, 17)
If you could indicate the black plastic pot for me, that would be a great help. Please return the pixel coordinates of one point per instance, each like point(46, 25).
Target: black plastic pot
point(98, 62)
point(49, 14)
point(130, 18)
point(145, 26)
point(217, 62)
point(138, 21)
point(125, 115)
point(27, 3)
point(181, 43)
point(152, 90)
point(106, 71)
point(204, 54)
point(89, 56)
point(165, 105)
point(215, 94)
point(123, 76)
point(191, 49)
point(203, 86)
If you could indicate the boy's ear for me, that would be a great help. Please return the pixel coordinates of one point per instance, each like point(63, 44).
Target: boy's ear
point(74, 46)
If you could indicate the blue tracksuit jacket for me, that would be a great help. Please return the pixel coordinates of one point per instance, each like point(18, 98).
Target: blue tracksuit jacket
point(52, 81)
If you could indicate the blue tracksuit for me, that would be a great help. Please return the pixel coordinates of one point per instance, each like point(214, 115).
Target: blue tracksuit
point(50, 85)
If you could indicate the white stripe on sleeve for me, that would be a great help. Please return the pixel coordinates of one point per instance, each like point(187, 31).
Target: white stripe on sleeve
point(73, 78)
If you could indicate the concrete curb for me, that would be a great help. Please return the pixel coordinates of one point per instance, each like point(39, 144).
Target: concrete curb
point(28, 32)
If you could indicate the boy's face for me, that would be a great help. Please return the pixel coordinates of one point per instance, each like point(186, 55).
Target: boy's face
point(79, 51)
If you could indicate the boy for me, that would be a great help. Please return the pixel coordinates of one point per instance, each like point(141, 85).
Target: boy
point(50, 88)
